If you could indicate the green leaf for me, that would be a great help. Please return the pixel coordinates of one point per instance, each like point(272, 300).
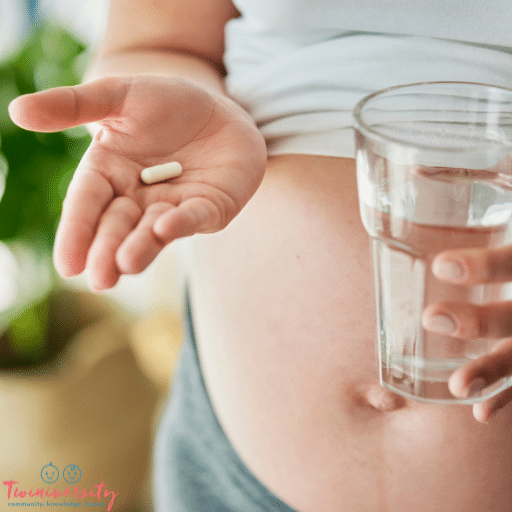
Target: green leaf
point(27, 332)
point(8, 91)
point(4, 169)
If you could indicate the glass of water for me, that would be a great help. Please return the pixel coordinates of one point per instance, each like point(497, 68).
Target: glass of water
point(434, 170)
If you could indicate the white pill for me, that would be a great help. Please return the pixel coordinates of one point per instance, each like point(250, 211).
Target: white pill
point(161, 172)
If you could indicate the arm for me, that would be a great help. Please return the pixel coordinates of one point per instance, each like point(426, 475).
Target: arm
point(181, 39)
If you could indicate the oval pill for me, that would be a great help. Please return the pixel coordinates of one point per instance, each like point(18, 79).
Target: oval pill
point(161, 172)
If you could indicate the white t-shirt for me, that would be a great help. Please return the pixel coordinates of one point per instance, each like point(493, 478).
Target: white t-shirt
point(300, 66)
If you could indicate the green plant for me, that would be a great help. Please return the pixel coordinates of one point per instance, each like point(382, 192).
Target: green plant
point(37, 167)
point(35, 171)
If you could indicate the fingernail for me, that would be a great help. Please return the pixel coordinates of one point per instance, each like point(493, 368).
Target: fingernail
point(449, 270)
point(441, 324)
point(475, 387)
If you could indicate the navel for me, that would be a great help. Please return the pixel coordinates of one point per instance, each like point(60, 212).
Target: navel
point(382, 399)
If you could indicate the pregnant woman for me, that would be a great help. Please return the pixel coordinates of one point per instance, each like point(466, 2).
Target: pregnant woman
point(277, 405)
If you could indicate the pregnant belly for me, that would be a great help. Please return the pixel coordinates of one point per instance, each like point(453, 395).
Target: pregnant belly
point(284, 316)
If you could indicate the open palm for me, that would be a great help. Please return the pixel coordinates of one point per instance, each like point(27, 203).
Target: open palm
point(112, 223)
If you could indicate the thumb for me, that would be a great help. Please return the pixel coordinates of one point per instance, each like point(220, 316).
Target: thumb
point(56, 109)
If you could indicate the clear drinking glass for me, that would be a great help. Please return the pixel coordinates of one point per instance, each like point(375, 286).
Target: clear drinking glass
point(434, 167)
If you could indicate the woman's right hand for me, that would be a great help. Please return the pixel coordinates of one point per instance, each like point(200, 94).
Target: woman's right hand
point(112, 223)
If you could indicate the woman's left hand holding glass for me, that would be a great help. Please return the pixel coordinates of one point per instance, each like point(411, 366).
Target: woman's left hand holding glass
point(465, 320)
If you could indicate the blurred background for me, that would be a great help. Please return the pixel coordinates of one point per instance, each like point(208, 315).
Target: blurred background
point(83, 376)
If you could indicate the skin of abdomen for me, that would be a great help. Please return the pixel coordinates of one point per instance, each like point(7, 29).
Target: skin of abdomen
point(284, 316)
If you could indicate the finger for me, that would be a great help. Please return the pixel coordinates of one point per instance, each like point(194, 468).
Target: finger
point(64, 107)
point(195, 215)
point(141, 247)
point(87, 197)
point(483, 372)
point(484, 411)
point(465, 320)
point(116, 223)
point(473, 266)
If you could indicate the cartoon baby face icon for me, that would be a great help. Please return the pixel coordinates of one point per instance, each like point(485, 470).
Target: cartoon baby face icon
point(50, 474)
point(72, 474)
